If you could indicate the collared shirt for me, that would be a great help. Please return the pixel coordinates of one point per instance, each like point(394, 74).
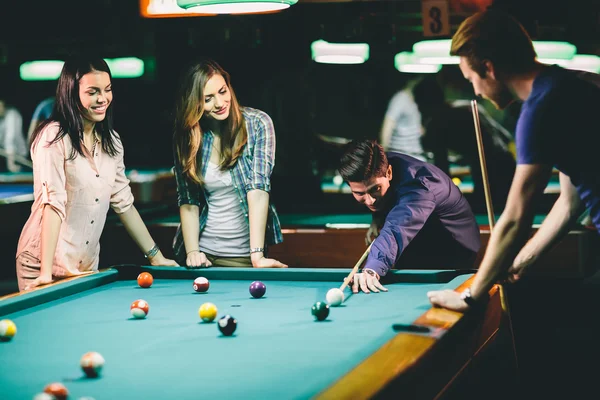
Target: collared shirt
point(251, 171)
point(80, 191)
point(426, 216)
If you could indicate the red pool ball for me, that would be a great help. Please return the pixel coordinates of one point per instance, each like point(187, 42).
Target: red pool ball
point(257, 289)
point(145, 279)
point(201, 284)
point(58, 390)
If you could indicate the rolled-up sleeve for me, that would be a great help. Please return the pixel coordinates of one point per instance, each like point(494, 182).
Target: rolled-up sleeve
point(51, 161)
point(402, 224)
point(187, 192)
point(121, 198)
point(263, 154)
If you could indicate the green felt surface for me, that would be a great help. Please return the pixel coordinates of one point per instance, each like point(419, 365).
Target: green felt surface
point(278, 350)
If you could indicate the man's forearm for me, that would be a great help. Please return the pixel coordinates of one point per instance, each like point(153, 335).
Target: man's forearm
point(504, 244)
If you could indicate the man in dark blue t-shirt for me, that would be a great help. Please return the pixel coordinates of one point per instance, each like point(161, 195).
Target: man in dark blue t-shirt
point(422, 218)
point(557, 127)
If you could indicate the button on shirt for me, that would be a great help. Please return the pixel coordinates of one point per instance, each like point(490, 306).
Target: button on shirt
point(80, 190)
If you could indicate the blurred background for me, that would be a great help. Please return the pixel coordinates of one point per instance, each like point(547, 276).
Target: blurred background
point(269, 58)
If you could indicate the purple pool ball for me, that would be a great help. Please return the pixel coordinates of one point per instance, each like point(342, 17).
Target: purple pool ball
point(257, 289)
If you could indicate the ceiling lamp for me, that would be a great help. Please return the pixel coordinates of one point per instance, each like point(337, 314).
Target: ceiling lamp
point(339, 53)
point(43, 70)
point(234, 6)
point(407, 62)
point(49, 70)
point(582, 62)
point(547, 50)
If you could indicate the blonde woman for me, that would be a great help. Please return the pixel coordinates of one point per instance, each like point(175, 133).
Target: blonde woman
point(224, 155)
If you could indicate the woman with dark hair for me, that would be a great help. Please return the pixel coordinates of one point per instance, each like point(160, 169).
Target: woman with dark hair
point(78, 172)
point(224, 155)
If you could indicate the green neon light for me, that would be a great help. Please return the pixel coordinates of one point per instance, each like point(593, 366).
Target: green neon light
point(48, 70)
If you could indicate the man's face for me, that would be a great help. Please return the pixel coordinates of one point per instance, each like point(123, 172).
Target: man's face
point(371, 192)
point(489, 87)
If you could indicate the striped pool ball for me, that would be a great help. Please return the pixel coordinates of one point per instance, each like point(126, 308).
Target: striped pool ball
point(92, 364)
point(201, 284)
point(139, 309)
point(8, 330)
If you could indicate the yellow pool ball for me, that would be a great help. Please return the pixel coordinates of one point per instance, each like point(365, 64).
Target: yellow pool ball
point(207, 312)
point(8, 330)
point(456, 181)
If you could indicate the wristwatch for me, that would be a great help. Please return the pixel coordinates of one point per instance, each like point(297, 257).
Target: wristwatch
point(467, 298)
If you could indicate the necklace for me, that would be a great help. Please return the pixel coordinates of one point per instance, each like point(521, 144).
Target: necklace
point(94, 147)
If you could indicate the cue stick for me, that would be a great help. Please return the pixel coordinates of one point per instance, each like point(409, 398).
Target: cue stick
point(483, 165)
point(19, 159)
point(491, 217)
point(351, 274)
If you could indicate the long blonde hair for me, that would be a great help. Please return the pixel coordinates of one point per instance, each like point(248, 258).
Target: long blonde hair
point(188, 129)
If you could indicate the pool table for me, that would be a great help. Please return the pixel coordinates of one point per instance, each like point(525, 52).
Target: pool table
point(147, 185)
point(338, 241)
point(16, 193)
point(371, 346)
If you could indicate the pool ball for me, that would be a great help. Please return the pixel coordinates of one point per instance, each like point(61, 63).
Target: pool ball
point(335, 297)
point(92, 364)
point(43, 396)
point(58, 390)
point(320, 310)
point(227, 325)
point(145, 279)
point(139, 308)
point(201, 284)
point(456, 181)
point(207, 312)
point(257, 289)
point(8, 330)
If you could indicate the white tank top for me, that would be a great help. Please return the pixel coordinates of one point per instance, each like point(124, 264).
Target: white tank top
point(226, 233)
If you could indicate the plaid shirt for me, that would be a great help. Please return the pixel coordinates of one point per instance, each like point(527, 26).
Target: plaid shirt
point(251, 171)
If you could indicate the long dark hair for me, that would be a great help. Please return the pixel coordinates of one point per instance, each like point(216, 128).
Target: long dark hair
point(188, 126)
point(67, 110)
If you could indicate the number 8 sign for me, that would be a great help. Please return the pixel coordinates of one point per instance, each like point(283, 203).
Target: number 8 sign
point(436, 18)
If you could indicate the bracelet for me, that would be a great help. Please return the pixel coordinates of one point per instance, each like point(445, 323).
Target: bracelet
point(193, 251)
point(152, 252)
point(257, 250)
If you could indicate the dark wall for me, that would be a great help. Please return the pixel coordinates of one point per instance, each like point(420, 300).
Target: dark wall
point(268, 57)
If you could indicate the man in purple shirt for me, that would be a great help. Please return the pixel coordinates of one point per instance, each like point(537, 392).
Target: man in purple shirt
point(424, 220)
point(557, 127)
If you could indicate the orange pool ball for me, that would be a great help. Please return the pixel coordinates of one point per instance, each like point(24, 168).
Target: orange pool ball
point(58, 390)
point(145, 279)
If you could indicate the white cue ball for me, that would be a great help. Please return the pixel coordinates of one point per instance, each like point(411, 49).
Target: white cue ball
point(338, 180)
point(335, 297)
